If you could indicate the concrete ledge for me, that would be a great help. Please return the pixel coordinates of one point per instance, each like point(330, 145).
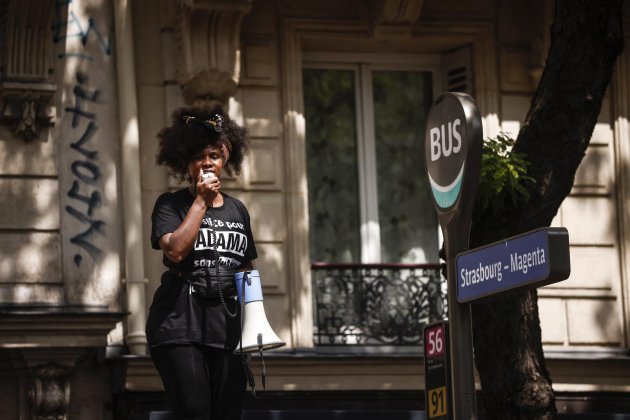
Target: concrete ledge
point(336, 369)
point(41, 326)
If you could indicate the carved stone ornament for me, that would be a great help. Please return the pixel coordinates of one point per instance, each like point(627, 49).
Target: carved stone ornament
point(208, 37)
point(49, 393)
point(393, 18)
point(26, 65)
point(27, 110)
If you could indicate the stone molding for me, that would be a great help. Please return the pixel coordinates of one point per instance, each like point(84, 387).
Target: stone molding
point(55, 327)
point(208, 45)
point(620, 93)
point(26, 66)
point(592, 370)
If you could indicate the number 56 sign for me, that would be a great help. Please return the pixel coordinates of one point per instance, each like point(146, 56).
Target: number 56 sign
point(436, 370)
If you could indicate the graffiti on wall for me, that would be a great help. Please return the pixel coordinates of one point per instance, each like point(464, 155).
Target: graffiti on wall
point(71, 26)
point(85, 192)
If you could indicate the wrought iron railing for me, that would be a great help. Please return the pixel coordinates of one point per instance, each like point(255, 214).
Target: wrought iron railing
point(375, 304)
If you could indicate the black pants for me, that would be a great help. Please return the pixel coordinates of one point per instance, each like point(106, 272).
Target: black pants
point(201, 382)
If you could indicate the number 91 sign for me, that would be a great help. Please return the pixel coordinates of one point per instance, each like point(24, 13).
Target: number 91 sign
point(436, 370)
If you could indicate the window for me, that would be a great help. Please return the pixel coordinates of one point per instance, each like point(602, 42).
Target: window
point(369, 200)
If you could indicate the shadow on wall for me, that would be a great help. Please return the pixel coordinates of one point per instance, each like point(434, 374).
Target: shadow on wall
point(29, 219)
point(590, 213)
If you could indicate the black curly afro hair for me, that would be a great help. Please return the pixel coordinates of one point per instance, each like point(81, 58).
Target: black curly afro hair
point(185, 137)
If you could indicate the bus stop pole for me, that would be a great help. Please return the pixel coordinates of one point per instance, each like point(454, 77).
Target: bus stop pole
point(460, 332)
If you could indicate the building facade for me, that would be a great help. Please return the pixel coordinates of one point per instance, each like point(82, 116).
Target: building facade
point(334, 95)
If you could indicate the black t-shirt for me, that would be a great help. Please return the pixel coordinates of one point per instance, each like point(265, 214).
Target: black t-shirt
point(176, 315)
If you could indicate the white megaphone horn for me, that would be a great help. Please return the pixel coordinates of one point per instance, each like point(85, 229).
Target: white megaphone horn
point(256, 333)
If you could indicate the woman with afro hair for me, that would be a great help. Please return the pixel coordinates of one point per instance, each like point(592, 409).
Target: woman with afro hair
point(193, 325)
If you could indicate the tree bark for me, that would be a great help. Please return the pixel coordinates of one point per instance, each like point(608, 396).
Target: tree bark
point(586, 38)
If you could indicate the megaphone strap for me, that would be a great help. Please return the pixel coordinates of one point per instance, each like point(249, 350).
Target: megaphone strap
point(245, 357)
point(207, 287)
point(264, 368)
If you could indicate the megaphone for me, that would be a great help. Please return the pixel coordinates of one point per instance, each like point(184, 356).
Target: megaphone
point(256, 333)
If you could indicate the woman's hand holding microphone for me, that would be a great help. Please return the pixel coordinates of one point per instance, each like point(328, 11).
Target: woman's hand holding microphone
point(208, 186)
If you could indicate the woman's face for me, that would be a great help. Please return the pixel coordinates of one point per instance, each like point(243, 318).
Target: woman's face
point(209, 159)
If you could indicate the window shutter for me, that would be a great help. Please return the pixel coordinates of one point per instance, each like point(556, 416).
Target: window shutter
point(457, 70)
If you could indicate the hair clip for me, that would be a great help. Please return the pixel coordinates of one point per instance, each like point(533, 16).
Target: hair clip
point(215, 122)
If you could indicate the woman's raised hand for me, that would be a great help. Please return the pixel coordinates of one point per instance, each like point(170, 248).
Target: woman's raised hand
point(208, 186)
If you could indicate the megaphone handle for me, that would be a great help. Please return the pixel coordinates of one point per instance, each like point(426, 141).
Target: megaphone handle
point(259, 338)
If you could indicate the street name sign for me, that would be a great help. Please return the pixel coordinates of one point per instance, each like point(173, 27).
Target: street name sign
point(532, 259)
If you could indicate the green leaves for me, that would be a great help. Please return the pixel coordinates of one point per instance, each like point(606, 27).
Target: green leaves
point(504, 181)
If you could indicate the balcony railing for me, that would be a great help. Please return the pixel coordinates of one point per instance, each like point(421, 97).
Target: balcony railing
point(375, 304)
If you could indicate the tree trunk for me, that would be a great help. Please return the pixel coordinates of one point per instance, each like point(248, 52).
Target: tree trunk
point(586, 38)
